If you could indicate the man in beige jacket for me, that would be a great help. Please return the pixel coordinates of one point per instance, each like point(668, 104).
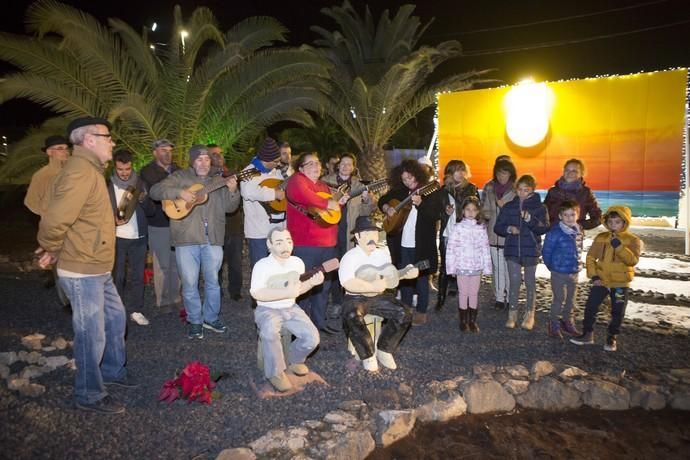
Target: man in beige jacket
point(57, 149)
point(77, 231)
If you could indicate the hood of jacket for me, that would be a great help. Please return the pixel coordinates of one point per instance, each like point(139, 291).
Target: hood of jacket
point(624, 213)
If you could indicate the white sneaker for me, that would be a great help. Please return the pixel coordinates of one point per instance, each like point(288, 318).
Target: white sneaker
point(139, 319)
point(386, 359)
point(371, 364)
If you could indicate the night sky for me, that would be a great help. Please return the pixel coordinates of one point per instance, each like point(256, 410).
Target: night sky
point(578, 55)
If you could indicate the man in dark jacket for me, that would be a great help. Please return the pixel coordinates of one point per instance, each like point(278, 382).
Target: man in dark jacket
point(166, 281)
point(198, 238)
point(131, 206)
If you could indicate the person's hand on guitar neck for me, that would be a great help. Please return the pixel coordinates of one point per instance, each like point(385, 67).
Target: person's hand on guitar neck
point(231, 183)
point(416, 199)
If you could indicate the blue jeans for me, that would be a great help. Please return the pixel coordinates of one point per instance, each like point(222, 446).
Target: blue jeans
point(314, 301)
point(409, 287)
point(190, 260)
point(98, 320)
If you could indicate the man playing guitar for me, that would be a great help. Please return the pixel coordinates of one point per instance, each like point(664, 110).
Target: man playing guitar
point(257, 220)
point(363, 297)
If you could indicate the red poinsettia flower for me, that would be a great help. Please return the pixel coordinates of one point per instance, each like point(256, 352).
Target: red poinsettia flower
point(194, 384)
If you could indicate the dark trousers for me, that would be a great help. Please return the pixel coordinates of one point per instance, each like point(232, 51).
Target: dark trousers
point(420, 286)
point(619, 300)
point(336, 289)
point(132, 253)
point(314, 301)
point(232, 256)
point(397, 318)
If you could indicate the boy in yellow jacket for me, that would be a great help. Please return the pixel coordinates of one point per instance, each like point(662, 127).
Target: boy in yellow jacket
point(611, 266)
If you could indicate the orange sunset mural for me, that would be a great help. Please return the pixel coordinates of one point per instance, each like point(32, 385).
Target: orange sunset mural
point(627, 129)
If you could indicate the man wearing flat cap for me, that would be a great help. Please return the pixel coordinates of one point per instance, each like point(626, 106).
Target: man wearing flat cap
point(57, 149)
point(166, 281)
point(78, 232)
point(259, 218)
point(198, 238)
point(366, 294)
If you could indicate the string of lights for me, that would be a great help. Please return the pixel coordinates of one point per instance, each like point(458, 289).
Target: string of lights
point(552, 20)
point(512, 49)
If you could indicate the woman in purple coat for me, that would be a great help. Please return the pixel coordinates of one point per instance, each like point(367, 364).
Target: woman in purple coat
point(571, 186)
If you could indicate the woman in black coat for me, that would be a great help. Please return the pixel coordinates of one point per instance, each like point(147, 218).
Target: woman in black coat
point(416, 238)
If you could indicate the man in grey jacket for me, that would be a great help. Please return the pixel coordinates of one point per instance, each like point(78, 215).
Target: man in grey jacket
point(198, 238)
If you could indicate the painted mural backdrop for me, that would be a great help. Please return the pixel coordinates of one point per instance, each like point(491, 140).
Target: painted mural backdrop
point(627, 129)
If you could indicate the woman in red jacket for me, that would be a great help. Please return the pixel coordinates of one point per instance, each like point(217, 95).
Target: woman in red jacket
point(314, 239)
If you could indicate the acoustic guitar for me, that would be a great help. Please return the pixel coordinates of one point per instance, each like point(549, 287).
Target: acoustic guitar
point(329, 216)
point(274, 206)
point(179, 208)
point(284, 279)
point(389, 273)
point(393, 224)
point(333, 216)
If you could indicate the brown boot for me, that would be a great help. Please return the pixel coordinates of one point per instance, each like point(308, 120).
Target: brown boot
point(418, 319)
point(463, 315)
point(473, 320)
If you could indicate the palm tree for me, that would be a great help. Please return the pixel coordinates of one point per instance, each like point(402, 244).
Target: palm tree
point(204, 85)
point(380, 77)
point(325, 137)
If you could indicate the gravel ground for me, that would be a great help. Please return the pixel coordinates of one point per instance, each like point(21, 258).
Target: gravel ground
point(48, 426)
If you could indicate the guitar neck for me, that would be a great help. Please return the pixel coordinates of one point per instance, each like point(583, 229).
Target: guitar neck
point(215, 185)
point(372, 187)
point(423, 191)
point(326, 267)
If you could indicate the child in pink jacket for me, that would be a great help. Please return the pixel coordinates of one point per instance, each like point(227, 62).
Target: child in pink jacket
point(467, 257)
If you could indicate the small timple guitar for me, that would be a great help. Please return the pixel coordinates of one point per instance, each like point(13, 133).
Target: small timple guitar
point(179, 208)
point(284, 279)
point(389, 273)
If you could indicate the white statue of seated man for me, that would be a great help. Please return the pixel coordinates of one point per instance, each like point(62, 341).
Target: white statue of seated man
point(275, 286)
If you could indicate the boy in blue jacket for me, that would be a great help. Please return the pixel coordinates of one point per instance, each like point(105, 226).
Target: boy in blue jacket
point(561, 254)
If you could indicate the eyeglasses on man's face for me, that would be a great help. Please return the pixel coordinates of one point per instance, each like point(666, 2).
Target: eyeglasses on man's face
point(109, 136)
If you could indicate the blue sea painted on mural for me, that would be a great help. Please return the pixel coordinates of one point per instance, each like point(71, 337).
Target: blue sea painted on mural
point(649, 204)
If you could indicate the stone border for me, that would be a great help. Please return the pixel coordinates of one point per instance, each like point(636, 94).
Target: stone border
point(355, 429)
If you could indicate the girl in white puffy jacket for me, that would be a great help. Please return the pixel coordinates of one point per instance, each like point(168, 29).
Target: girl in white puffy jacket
point(467, 257)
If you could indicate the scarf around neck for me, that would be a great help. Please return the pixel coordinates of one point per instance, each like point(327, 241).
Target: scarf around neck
point(570, 186)
point(501, 189)
point(132, 181)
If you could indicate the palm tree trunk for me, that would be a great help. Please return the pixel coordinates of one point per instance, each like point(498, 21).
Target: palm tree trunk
point(372, 165)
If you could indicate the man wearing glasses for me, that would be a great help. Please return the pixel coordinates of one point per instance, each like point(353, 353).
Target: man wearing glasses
point(78, 233)
point(57, 149)
point(166, 281)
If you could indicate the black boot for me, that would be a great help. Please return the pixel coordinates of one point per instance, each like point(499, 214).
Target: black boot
point(473, 320)
point(442, 288)
point(463, 314)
